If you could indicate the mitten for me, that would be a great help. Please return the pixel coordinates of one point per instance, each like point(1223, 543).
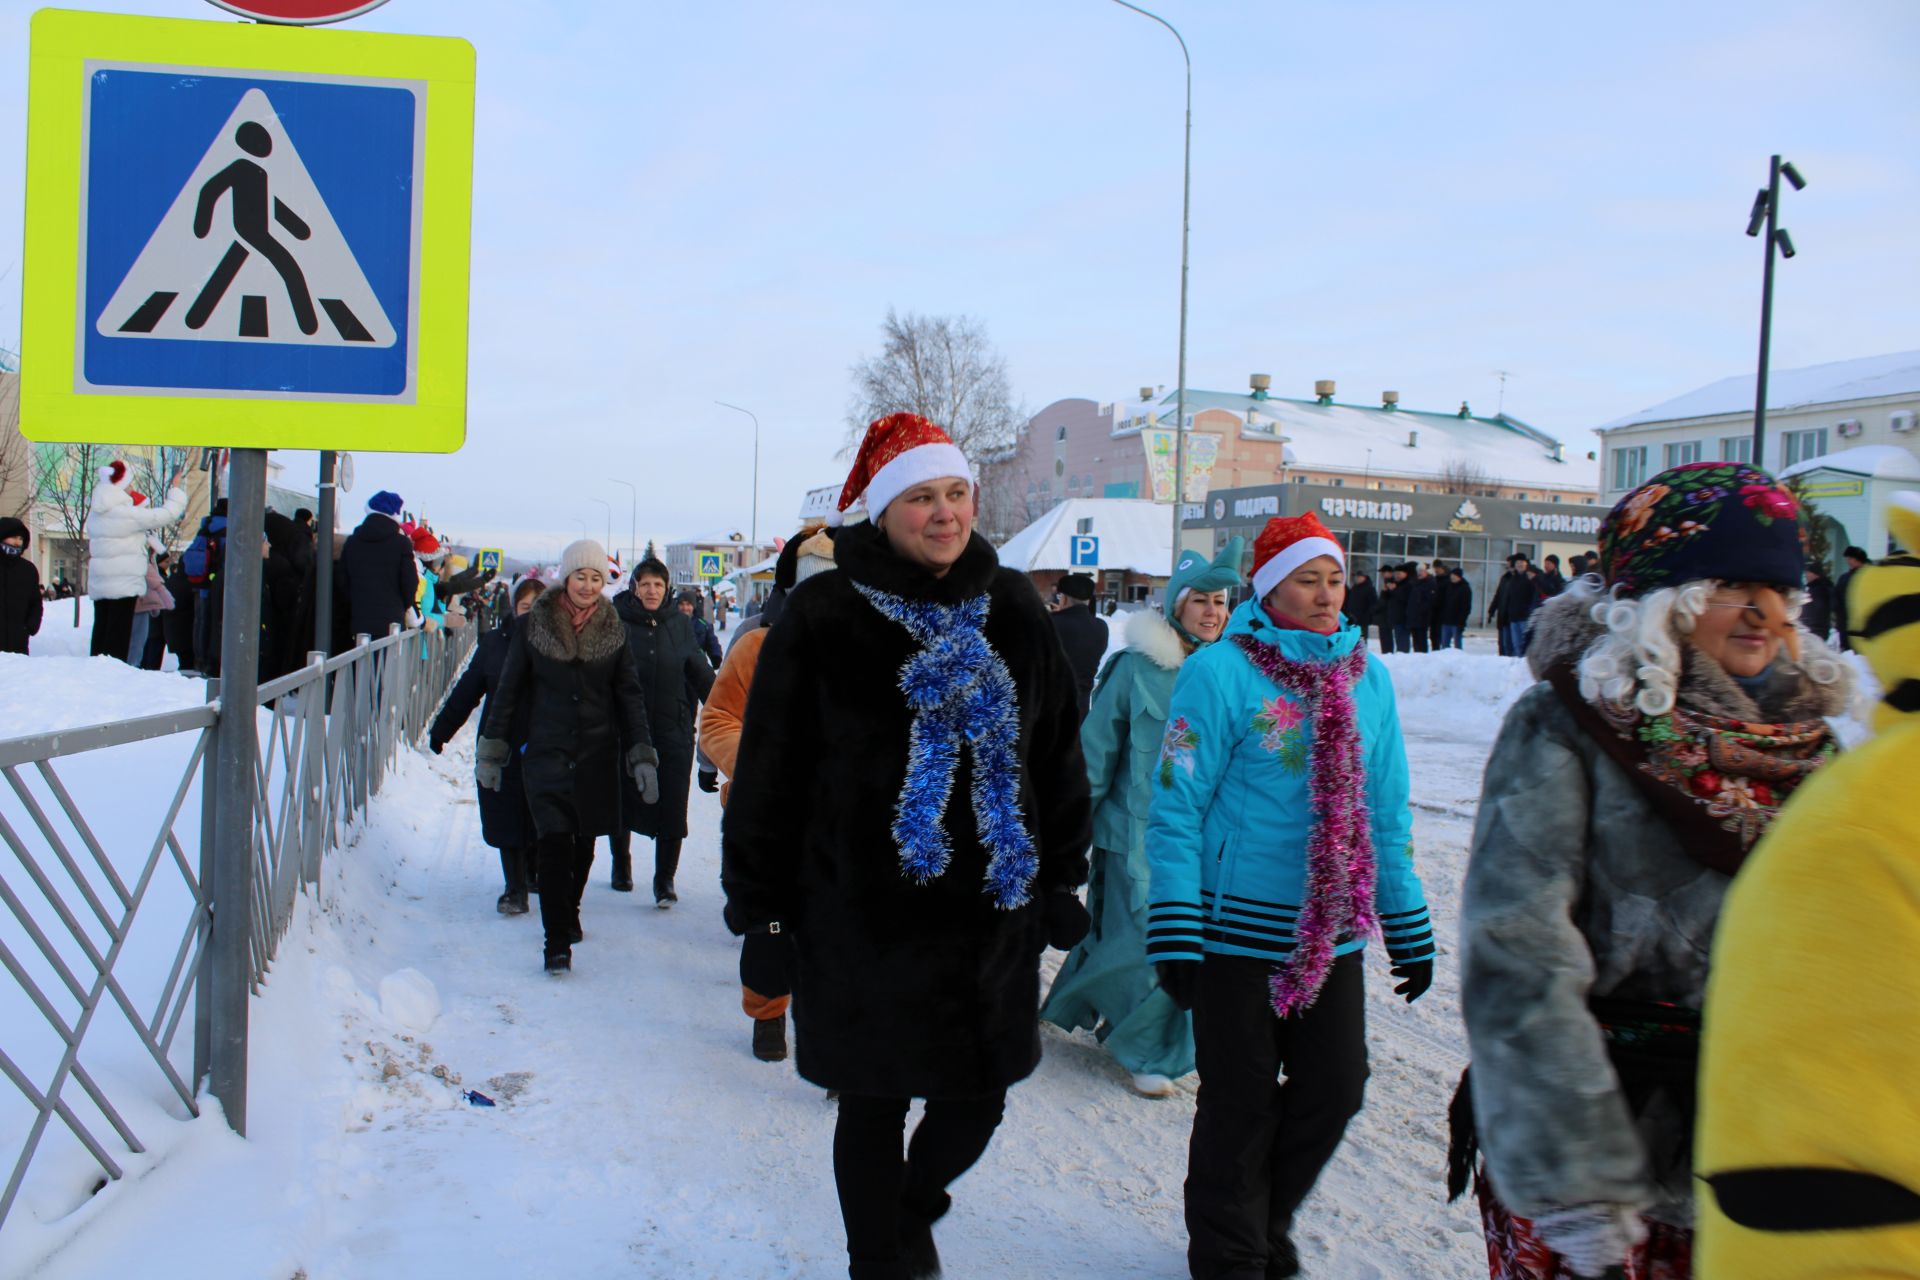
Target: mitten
point(646, 777)
point(490, 762)
point(1067, 919)
point(709, 781)
point(1180, 979)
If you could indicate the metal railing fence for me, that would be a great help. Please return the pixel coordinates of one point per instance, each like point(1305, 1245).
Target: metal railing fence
point(85, 879)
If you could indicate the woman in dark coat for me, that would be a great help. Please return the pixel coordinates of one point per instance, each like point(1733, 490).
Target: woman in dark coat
point(505, 823)
point(20, 602)
point(289, 557)
point(673, 672)
point(568, 664)
point(911, 807)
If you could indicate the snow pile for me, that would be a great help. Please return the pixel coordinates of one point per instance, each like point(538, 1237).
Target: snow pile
point(1455, 692)
point(409, 1000)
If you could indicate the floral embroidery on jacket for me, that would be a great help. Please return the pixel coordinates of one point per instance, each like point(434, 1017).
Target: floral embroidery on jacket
point(1279, 723)
point(1176, 748)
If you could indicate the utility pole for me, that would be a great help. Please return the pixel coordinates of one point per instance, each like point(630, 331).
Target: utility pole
point(1766, 209)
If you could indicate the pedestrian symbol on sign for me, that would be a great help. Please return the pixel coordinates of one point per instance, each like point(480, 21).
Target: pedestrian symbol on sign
point(712, 564)
point(220, 246)
point(490, 558)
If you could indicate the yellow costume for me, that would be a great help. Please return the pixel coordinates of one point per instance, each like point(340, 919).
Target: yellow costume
point(1809, 1134)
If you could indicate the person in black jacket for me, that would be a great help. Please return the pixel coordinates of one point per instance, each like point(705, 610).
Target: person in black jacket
point(1362, 600)
point(21, 605)
point(1083, 634)
point(178, 621)
point(921, 848)
point(1512, 605)
point(1816, 615)
point(1856, 559)
point(289, 557)
point(1394, 596)
point(673, 673)
point(1423, 599)
point(569, 666)
point(689, 603)
point(505, 823)
point(375, 581)
point(1456, 610)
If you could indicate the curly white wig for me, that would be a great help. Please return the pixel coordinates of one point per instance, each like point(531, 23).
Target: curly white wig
point(1637, 659)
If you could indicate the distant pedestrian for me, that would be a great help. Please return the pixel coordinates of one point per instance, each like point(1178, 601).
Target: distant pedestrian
point(21, 602)
point(118, 522)
point(688, 603)
point(1514, 599)
point(376, 579)
point(1083, 633)
point(1551, 582)
point(1423, 607)
point(151, 605)
point(1363, 601)
point(289, 557)
point(1816, 615)
point(1856, 560)
point(505, 823)
point(1456, 610)
point(569, 664)
point(1397, 601)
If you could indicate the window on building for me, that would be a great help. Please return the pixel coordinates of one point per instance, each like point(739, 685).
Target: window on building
point(1555, 498)
point(1339, 483)
point(1522, 495)
point(1061, 435)
point(1630, 467)
point(1680, 453)
point(1736, 449)
point(1083, 525)
point(1798, 446)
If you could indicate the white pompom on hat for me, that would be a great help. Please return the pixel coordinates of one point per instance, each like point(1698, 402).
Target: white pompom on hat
point(900, 451)
point(584, 554)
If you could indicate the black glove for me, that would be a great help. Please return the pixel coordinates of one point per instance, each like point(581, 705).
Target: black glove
point(435, 743)
point(1180, 979)
point(1067, 919)
point(709, 780)
point(1418, 975)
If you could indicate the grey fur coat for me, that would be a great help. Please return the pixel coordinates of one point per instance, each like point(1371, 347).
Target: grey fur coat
point(1577, 888)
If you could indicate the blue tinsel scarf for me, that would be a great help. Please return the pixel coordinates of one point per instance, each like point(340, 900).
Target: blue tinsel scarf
point(961, 694)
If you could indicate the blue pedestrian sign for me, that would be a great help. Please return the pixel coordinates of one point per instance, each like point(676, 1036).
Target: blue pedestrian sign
point(490, 558)
point(250, 235)
point(712, 564)
point(1084, 552)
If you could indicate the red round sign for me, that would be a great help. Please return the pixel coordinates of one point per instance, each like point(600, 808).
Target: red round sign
point(298, 13)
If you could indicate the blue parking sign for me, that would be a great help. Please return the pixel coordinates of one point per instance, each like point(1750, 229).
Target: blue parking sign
point(251, 235)
point(1084, 551)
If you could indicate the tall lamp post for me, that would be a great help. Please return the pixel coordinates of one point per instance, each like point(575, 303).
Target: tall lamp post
point(755, 519)
point(633, 518)
point(1186, 204)
point(609, 506)
point(1766, 212)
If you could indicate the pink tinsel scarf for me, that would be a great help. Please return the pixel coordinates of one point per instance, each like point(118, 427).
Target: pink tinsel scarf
point(1340, 867)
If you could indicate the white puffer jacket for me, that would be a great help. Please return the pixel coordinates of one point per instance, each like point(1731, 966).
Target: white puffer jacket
point(117, 540)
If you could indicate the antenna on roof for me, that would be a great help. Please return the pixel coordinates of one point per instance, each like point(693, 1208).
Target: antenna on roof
point(1503, 375)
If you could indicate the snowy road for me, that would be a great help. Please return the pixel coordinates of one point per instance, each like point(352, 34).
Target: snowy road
point(636, 1136)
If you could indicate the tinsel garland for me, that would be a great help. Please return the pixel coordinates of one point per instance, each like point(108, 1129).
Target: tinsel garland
point(1340, 865)
point(961, 694)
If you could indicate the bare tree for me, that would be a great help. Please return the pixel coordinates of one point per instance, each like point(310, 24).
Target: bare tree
point(16, 456)
point(154, 470)
point(943, 368)
point(1465, 476)
point(1002, 509)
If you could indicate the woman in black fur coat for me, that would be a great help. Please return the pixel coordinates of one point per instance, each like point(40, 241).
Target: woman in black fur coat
point(911, 807)
point(569, 665)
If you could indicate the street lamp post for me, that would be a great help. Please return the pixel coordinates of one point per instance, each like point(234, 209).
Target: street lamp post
point(633, 518)
point(1766, 210)
point(754, 520)
point(609, 506)
point(1186, 204)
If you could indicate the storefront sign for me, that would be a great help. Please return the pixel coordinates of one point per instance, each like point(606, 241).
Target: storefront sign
point(1466, 518)
point(1558, 522)
point(1365, 509)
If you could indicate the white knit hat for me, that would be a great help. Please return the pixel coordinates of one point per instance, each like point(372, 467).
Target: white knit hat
point(584, 554)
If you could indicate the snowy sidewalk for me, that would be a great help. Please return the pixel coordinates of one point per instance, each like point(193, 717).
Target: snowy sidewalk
point(635, 1134)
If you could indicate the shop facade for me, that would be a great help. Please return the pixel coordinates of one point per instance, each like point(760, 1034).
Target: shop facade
point(1384, 527)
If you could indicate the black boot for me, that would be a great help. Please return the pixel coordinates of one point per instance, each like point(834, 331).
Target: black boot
point(511, 904)
point(916, 1235)
point(622, 844)
point(559, 962)
point(666, 861)
point(1283, 1260)
point(770, 1039)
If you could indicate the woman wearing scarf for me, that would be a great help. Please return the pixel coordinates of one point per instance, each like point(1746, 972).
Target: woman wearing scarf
point(1279, 841)
point(568, 664)
point(1679, 707)
point(1107, 984)
point(910, 805)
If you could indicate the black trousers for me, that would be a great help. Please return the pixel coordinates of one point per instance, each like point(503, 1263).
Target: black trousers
point(1259, 1145)
point(876, 1189)
point(112, 628)
point(565, 860)
point(513, 868)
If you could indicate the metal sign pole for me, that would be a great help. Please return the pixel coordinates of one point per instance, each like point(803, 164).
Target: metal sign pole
point(323, 559)
point(231, 893)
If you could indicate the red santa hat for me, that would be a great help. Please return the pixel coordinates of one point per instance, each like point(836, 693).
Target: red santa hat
point(1287, 543)
point(424, 543)
point(900, 451)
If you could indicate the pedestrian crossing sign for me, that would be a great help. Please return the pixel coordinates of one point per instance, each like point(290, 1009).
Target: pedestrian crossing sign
point(248, 235)
point(712, 564)
point(490, 559)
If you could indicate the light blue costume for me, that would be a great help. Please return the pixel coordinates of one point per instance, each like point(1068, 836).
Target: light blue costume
point(1106, 983)
point(1232, 807)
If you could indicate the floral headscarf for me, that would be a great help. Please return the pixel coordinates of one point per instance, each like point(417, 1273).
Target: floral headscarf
point(1703, 520)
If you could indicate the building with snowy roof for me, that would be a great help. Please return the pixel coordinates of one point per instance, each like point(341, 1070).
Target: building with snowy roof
point(1124, 544)
point(1845, 405)
point(1851, 490)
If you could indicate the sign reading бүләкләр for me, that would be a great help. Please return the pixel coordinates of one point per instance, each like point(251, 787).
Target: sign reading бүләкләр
point(252, 236)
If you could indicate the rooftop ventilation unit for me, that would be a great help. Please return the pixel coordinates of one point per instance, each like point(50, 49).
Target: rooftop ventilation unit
point(1413, 439)
point(1389, 400)
point(1261, 383)
point(1323, 390)
point(1146, 393)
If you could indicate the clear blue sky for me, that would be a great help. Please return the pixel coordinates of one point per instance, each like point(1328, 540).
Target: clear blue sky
point(683, 203)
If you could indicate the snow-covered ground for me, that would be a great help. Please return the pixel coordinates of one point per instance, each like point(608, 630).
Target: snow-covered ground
point(634, 1134)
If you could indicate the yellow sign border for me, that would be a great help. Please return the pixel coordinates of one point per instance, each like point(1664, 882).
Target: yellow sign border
point(52, 411)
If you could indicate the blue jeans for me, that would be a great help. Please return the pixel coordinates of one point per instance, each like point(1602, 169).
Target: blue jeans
point(137, 646)
point(1516, 634)
point(1402, 638)
point(1450, 637)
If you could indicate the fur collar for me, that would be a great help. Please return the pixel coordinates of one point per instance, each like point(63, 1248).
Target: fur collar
point(863, 554)
point(1563, 629)
point(550, 631)
point(1153, 638)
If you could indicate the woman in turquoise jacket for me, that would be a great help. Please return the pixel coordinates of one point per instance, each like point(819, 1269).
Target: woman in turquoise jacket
point(1107, 984)
point(1279, 841)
